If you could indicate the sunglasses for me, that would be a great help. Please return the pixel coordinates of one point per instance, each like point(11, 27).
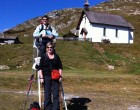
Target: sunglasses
point(44, 19)
point(49, 47)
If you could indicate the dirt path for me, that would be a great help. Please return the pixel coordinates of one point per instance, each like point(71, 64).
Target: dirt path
point(93, 101)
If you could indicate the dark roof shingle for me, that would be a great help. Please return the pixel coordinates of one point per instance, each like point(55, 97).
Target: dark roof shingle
point(108, 19)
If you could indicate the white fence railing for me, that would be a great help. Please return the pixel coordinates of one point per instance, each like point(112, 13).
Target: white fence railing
point(74, 39)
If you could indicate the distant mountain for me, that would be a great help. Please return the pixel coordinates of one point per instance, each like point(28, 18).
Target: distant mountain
point(66, 19)
point(121, 7)
point(63, 20)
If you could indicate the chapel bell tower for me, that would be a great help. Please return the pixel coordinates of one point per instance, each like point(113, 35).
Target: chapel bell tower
point(86, 5)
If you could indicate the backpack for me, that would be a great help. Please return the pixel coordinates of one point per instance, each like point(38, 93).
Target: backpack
point(34, 106)
point(37, 42)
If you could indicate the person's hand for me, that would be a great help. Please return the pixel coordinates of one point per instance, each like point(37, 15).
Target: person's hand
point(50, 37)
point(41, 80)
point(60, 79)
point(44, 35)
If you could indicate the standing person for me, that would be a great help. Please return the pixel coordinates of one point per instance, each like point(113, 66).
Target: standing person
point(44, 33)
point(48, 62)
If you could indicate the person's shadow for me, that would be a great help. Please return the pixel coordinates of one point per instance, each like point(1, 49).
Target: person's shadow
point(78, 104)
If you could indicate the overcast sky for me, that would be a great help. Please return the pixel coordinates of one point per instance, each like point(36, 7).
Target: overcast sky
point(14, 12)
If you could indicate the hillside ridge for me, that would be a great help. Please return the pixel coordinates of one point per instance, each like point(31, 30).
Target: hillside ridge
point(79, 55)
point(66, 19)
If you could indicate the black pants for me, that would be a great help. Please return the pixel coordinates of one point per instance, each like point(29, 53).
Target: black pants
point(42, 48)
point(51, 94)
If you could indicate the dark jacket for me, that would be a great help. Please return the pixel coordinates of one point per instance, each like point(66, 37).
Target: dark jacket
point(46, 64)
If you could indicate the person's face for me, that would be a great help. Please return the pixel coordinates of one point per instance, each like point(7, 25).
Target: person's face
point(45, 20)
point(49, 48)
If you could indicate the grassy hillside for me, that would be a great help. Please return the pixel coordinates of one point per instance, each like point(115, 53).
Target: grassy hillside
point(78, 55)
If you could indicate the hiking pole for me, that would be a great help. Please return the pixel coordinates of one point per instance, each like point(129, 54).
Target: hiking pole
point(39, 91)
point(29, 88)
point(64, 99)
point(37, 72)
point(31, 78)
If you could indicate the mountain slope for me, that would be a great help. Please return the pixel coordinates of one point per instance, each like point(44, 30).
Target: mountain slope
point(66, 19)
point(80, 55)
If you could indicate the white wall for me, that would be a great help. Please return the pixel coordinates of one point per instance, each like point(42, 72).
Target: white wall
point(95, 31)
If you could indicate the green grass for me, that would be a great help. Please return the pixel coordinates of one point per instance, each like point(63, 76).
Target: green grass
point(16, 55)
point(95, 89)
point(77, 55)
